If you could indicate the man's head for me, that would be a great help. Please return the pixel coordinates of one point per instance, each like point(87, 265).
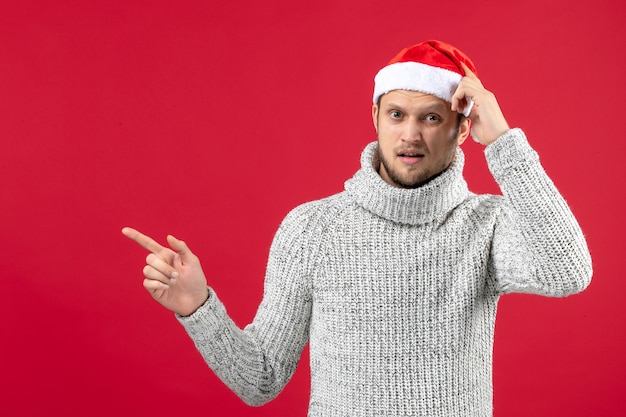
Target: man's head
point(417, 131)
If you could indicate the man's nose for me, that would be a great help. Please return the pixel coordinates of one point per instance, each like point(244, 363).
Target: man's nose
point(412, 132)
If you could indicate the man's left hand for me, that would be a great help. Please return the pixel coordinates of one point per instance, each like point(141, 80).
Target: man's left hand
point(488, 122)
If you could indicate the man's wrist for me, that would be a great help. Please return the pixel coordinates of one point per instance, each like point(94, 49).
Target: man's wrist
point(203, 300)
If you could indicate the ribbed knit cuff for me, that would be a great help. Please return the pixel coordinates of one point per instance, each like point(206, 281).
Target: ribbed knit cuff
point(207, 320)
point(509, 152)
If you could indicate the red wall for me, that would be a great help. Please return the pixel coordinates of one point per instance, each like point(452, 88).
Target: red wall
point(211, 120)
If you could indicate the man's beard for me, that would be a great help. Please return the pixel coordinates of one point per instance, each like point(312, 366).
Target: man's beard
point(421, 179)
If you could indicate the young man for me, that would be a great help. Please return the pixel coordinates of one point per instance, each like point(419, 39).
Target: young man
point(394, 282)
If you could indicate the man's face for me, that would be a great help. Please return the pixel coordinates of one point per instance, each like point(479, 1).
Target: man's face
point(417, 137)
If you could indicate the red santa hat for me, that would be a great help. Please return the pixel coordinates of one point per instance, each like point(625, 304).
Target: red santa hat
point(431, 67)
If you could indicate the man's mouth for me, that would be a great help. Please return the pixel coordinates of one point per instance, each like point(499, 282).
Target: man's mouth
point(410, 157)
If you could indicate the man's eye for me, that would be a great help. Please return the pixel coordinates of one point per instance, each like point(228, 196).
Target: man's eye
point(433, 118)
point(395, 114)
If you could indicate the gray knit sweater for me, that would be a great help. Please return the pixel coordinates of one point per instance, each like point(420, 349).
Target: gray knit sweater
point(396, 290)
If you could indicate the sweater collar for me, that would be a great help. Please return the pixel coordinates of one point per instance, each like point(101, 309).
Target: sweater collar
point(409, 206)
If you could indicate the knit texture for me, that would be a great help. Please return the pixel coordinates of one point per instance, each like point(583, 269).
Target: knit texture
point(396, 290)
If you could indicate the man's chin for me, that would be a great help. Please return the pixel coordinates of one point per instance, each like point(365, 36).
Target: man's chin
point(410, 182)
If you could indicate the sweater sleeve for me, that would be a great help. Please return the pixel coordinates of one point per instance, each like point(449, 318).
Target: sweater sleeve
point(538, 246)
point(259, 360)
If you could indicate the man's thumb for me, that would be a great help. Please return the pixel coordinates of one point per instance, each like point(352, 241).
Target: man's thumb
point(179, 247)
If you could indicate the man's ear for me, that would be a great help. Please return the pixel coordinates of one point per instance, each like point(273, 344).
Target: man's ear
point(464, 130)
point(375, 116)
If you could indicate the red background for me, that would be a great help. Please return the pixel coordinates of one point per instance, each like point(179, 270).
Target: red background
point(211, 120)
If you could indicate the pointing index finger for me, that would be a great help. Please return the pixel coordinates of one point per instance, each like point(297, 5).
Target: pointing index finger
point(142, 240)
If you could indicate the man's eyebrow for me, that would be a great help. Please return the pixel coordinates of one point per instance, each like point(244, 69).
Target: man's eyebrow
point(438, 106)
point(435, 106)
point(391, 105)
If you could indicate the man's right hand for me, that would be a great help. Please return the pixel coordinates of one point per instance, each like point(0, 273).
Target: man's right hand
point(173, 276)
